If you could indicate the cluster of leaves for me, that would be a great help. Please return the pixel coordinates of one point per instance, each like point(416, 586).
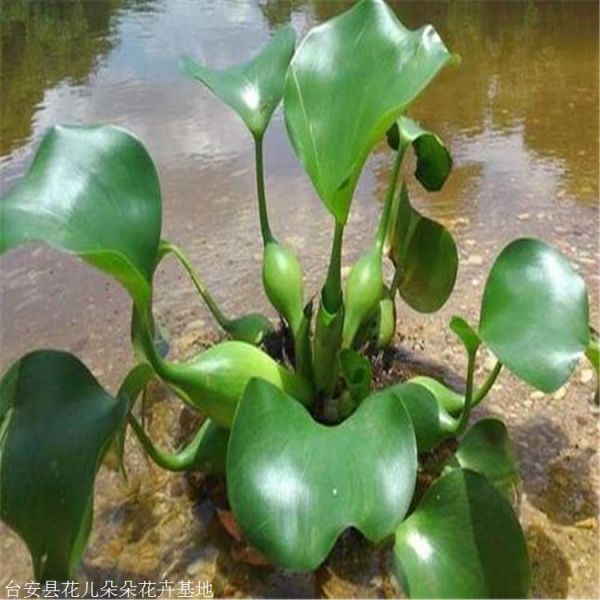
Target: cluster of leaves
point(306, 446)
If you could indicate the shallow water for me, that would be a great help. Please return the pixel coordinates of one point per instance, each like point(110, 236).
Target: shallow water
point(521, 118)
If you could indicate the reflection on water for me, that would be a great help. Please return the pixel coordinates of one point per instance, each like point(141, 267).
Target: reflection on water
point(520, 116)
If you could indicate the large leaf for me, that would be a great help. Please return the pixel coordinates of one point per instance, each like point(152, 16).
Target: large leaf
point(253, 89)
point(91, 191)
point(295, 485)
point(486, 449)
point(462, 541)
point(535, 314)
point(425, 254)
point(349, 80)
point(434, 162)
point(56, 422)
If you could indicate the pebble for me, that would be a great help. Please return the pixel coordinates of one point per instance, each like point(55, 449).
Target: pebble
point(586, 375)
point(537, 395)
point(523, 216)
point(475, 259)
point(589, 523)
point(560, 394)
point(489, 363)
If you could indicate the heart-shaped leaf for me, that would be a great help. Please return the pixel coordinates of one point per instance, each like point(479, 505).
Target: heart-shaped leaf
point(425, 254)
point(486, 449)
point(535, 313)
point(56, 423)
point(253, 89)
point(462, 541)
point(434, 162)
point(91, 191)
point(349, 80)
point(294, 485)
point(451, 401)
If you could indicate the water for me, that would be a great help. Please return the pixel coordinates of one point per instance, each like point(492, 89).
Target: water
point(520, 116)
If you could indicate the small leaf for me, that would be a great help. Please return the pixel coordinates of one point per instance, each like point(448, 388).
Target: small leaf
point(451, 401)
point(434, 162)
point(294, 485)
point(466, 333)
point(432, 423)
point(535, 313)
point(425, 254)
point(92, 191)
point(253, 89)
point(350, 79)
point(56, 423)
point(486, 449)
point(462, 541)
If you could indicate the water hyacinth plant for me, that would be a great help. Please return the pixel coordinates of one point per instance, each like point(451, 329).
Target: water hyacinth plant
point(307, 446)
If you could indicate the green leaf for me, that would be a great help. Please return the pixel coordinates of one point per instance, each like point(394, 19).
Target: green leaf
point(92, 191)
point(466, 333)
point(56, 423)
point(424, 253)
point(432, 423)
point(349, 80)
point(462, 541)
point(486, 449)
point(294, 485)
point(535, 313)
point(253, 89)
point(215, 380)
point(451, 401)
point(434, 162)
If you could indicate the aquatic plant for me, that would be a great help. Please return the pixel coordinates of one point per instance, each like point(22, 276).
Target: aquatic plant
point(307, 447)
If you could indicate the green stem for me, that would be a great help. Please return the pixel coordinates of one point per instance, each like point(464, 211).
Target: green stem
point(466, 413)
point(265, 228)
point(171, 461)
point(391, 191)
point(332, 290)
point(482, 392)
point(217, 313)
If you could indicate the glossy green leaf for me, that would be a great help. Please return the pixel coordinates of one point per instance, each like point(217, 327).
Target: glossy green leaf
point(486, 449)
point(451, 401)
point(92, 191)
point(535, 313)
point(462, 541)
point(349, 80)
point(253, 89)
point(215, 380)
point(432, 423)
point(294, 485)
point(434, 162)
point(424, 253)
point(56, 423)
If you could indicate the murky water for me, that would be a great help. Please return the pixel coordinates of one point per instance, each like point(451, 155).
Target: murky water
point(521, 118)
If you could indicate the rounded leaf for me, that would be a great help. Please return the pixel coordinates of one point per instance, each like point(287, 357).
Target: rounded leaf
point(462, 541)
point(486, 449)
point(294, 485)
point(349, 80)
point(434, 162)
point(91, 191)
point(425, 254)
point(535, 313)
point(56, 423)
